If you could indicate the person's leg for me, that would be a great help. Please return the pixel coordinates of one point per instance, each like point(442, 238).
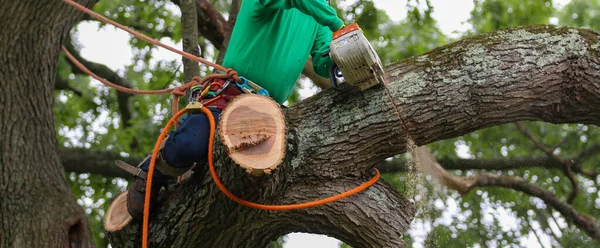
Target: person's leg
point(183, 147)
point(189, 143)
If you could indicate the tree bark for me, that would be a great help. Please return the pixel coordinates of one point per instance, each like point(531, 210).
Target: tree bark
point(37, 208)
point(80, 160)
point(336, 137)
point(189, 23)
point(228, 30)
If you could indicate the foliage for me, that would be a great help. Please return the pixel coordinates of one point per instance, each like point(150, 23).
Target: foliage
point(581, 13)
point(483, 213)
point(490, 15)
point(484, 217)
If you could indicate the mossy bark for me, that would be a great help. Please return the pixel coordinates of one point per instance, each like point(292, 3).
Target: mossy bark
point(334, 140)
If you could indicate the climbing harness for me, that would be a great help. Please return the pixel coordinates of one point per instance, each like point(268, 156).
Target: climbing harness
point(251, 87)
point(217, 88)
point(199, 103)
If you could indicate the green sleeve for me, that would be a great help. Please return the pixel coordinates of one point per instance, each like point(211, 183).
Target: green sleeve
point(321, 64)
point(318, 9)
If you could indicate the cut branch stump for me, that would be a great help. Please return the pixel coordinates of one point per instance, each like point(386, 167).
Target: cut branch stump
point(252, 128)
point(117, 216)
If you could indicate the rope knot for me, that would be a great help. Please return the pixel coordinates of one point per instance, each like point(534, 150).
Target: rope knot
point(180, 90)
point(195, 80)
point(232, 74)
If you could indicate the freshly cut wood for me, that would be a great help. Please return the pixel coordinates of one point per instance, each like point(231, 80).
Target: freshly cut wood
point(252, 127)
point(117, 216)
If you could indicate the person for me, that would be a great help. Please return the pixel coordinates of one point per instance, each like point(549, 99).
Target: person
point(270, 43)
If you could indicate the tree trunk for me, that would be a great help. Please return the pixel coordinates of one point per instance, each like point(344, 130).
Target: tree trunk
point(37, 208)
point(336, 137)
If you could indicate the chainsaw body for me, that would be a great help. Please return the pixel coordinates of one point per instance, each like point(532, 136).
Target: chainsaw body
point(356, 59)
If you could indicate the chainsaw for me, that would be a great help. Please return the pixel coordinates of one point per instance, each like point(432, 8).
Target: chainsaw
point(354, 59)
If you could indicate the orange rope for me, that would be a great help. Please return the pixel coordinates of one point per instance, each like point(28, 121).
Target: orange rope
point(222, 187)
point(187, 55)
point(233, 197)
point(108, 83)
point(177, 92)
point(162, 135)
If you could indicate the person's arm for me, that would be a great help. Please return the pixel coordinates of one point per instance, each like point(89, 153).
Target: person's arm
point(318, 9)
point(309, 72)
point(321, 64)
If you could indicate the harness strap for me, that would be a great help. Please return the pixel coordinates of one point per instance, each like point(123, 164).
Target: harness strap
point(161, 165)
point(167, 169)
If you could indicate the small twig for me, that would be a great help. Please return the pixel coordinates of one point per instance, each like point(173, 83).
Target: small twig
point(171, 77)
point(537, 143)
point(558, 144)
point(591, 151)
point(534, 232)
point(566, 164)
point(583, 221)
point(555, 223)
point(61, 84)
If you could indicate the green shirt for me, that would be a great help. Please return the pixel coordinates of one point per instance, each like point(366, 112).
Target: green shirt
point(272, 39)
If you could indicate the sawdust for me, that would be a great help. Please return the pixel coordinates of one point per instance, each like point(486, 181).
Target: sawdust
point(424, 178)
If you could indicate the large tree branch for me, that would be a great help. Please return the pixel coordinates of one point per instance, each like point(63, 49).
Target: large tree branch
point(233, 13)
point(362, 229)
point(533, 73)
point(62, 84)
point(465, 185)
point(189, 21)
point(584, 222)
point(102, 163)
point(211, 23)
point(476, 83)
point(400, 165)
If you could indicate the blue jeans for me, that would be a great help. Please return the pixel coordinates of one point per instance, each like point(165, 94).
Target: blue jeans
point(188, 143)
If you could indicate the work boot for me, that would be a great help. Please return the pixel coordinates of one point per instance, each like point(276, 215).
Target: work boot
point(137, 193)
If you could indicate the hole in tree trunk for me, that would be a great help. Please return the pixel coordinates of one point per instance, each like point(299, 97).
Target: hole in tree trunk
point(75, 233)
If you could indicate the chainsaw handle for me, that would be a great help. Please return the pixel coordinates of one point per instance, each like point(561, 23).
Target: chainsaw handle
point(334, 73)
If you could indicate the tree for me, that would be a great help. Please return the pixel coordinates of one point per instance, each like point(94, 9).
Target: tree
point(37, 209)
point(346, 130)
point(335, 137)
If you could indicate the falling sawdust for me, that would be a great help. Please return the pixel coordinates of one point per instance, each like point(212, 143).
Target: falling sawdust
point(421, 169)
point(422, 176)
point(413, 175)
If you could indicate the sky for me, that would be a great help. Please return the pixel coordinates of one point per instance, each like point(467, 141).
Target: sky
point(110, 47)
